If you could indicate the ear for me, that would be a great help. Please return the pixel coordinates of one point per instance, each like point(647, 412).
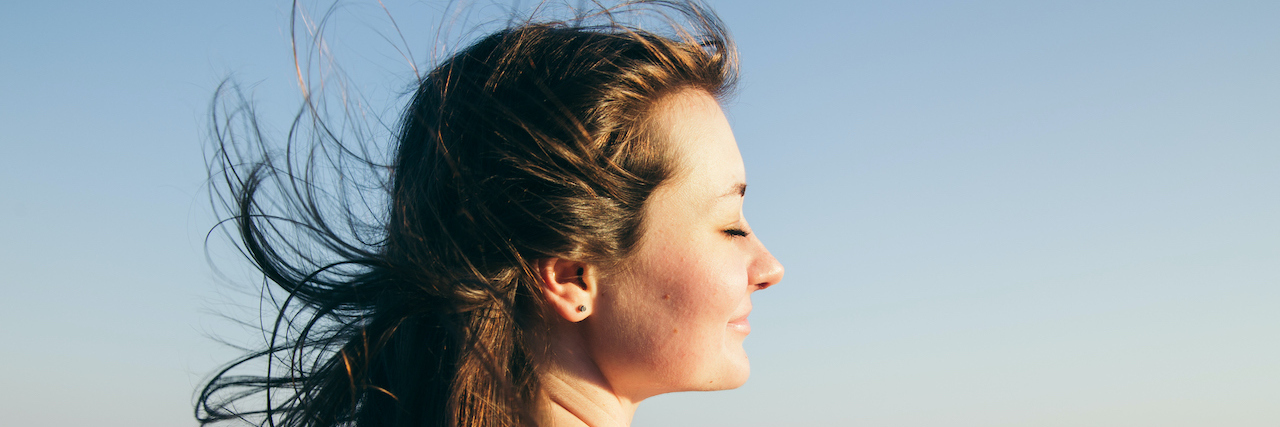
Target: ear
point(568, 286)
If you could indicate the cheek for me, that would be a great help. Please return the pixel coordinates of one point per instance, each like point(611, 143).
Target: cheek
point(672, 313)
point(703, 291)
point(690, 285)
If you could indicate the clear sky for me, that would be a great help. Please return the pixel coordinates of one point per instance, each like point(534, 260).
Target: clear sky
point(992, 213)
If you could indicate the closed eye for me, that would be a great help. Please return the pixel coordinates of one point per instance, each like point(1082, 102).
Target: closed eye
point(736, 232)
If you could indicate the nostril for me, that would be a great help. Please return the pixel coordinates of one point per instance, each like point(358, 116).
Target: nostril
point(770, 275)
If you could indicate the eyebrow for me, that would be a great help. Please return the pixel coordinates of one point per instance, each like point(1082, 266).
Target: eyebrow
point(739, 189)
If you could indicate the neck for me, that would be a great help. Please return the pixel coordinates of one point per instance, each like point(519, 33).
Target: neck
point(575, 393)
point(564, 403)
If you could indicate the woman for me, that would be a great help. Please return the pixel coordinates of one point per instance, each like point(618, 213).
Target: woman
point(563, 239)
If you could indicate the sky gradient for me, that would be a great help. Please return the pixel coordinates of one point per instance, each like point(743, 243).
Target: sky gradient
point(992, 213)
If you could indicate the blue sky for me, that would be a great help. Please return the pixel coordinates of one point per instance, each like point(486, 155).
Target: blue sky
point(992, 213)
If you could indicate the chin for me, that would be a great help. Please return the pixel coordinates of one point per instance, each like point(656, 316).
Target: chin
point(733, 374)
point(739, 379)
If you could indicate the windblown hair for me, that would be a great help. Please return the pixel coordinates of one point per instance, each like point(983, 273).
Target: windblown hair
point(533, 142)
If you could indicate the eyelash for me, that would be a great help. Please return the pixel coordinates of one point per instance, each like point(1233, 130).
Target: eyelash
point(736, 232)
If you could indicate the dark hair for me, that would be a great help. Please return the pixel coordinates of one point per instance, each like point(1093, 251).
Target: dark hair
point(531, 143)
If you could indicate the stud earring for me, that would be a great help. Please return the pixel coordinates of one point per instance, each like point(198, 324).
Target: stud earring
point(582, 308)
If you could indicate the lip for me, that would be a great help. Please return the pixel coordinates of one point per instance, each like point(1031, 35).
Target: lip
point(741, 323)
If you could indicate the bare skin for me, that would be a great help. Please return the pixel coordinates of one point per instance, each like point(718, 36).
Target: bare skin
point(675, 317)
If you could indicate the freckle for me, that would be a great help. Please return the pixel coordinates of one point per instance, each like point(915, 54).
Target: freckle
point(667, 296)
point(675, 330)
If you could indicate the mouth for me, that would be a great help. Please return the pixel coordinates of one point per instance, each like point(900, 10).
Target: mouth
point(741, 324)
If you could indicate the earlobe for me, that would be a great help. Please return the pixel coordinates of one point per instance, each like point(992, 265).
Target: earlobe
point(568, 287)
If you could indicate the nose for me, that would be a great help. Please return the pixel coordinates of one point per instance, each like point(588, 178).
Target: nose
point(765, 270)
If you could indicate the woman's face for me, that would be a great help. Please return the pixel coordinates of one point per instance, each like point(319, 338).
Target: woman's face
point(675, 317)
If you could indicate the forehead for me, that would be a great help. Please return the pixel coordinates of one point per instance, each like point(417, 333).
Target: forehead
point(702, 145)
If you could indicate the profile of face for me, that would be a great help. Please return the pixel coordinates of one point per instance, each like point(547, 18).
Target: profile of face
point(675, 316)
